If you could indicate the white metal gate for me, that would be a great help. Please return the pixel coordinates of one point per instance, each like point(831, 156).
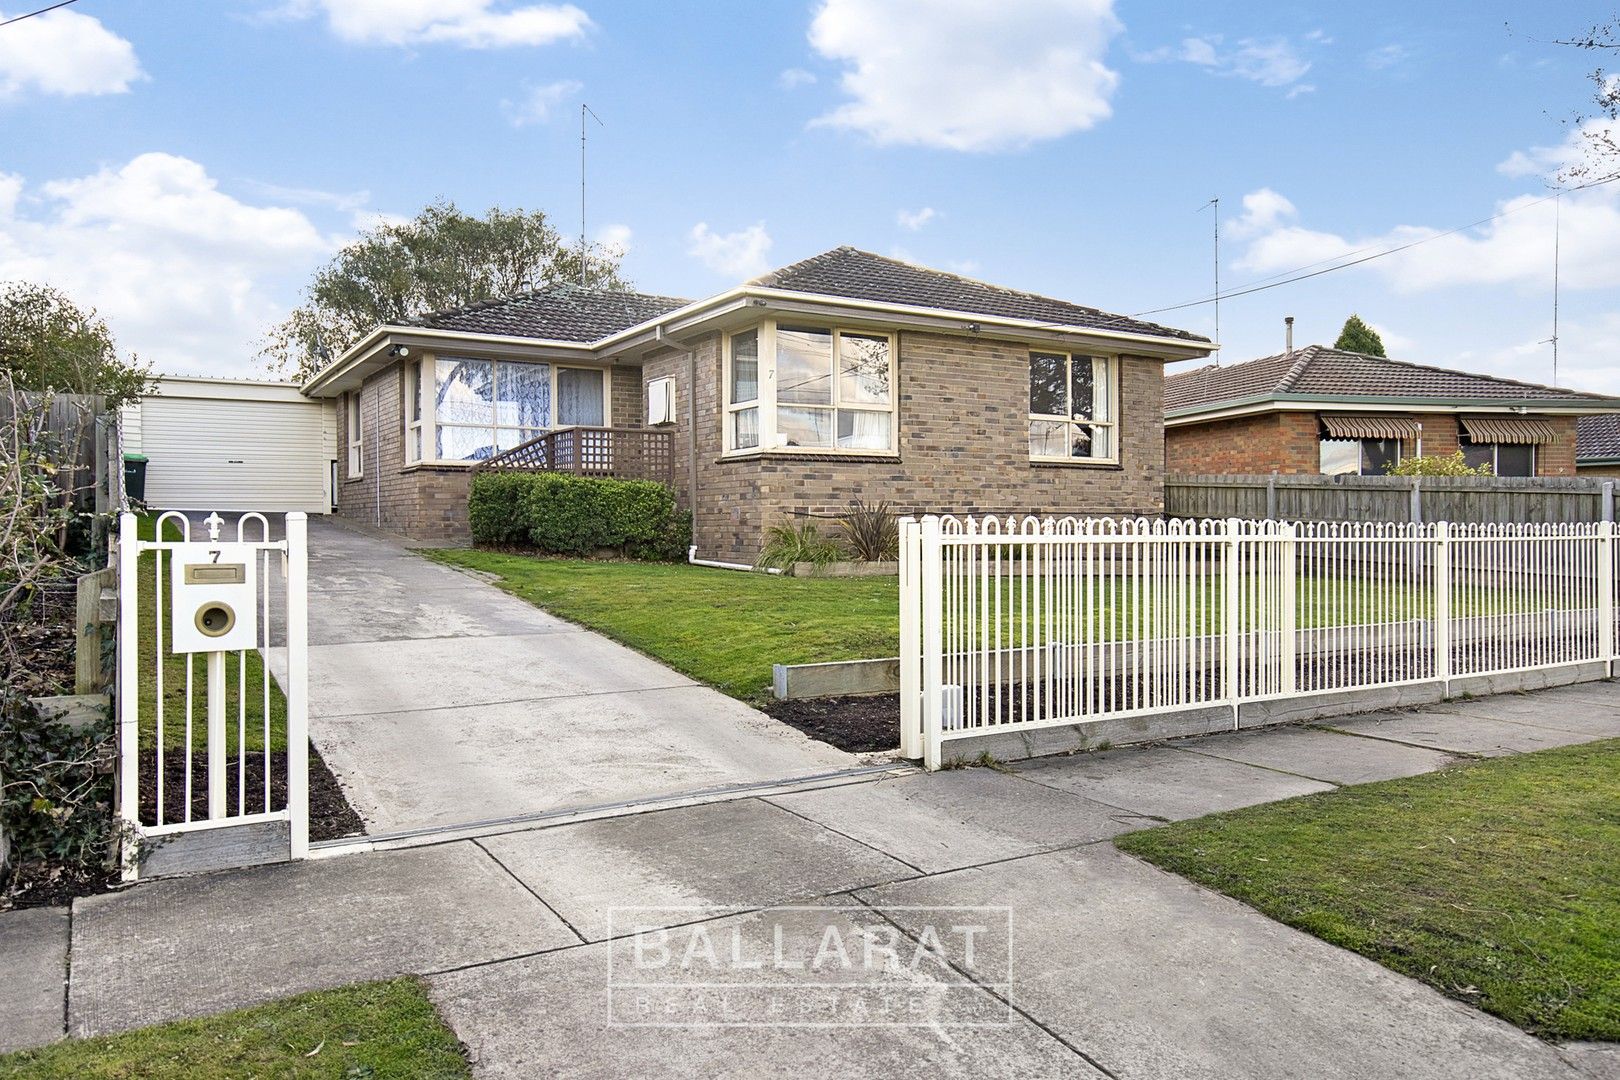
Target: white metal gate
point(1032, 623)
point(213, 750)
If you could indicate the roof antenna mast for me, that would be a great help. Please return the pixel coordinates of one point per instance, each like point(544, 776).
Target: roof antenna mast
point(1558, 222)
point(584, 111)
point(1216, 203)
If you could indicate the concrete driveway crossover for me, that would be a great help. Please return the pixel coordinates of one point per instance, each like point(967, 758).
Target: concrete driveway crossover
point(437, 699)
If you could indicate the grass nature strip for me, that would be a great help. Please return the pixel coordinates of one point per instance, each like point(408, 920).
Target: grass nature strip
point(1497, 883)
point(380, 1030)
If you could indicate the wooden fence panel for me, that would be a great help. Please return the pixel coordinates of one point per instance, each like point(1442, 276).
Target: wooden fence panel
point(1462, 499)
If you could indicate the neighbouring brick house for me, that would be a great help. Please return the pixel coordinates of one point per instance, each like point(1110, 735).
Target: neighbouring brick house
point(845, 376)
point(1321, 410)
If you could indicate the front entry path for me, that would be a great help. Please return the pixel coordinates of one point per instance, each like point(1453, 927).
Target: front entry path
point(437, 700)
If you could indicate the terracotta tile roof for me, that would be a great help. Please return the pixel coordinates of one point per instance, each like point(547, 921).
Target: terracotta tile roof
point(1597, 437)
point(861, 275)
point(555, 313)
point(1319, 371)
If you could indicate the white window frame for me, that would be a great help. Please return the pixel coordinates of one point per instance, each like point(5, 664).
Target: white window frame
point(427, 375)
point(413, 402)
point(1111, 364)
point(769, 439)
point(352, 429)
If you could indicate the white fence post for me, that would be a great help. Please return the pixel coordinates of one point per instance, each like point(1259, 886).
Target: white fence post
point(1288, 570)
point(910, 642)
point(298, 682)
point(1230, 616)
point(1442, 606)
point(1605, 597)
point(932, 640)
point(129, 735)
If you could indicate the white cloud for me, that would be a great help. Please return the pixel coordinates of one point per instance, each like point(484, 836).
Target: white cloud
point(345, 201)
point(739, 254)
point(471, 24)
point(539, 102)
point(1396, 344)
point(614, 239)
point(793, 78)
point(1274, 62)
point(916, 219)
point(968, 74)
point(179, 268)
point(1514, 249)
point(1387, 56)
point(64, 52)
point(1548, 161)
point(1263, 210)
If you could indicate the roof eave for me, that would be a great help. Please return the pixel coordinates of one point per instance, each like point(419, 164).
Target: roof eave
point(361, 357)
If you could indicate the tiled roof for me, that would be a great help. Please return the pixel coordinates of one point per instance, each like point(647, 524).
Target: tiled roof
point(861, 275)
point(555, 313)
point(1319, 371)
point(1597, 437)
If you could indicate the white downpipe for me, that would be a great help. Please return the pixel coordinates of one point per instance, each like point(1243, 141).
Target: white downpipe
point(693, 560)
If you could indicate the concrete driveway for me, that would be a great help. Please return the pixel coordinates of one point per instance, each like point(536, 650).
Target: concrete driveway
point(437, 699)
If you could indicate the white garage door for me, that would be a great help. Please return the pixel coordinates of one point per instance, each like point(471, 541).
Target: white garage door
point(224, 454)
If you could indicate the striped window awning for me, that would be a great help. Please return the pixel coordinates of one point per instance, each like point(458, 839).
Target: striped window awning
point(1509, 429)
point(1371, 427)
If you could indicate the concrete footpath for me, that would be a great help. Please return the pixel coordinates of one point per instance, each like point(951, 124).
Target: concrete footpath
point(1111, 967)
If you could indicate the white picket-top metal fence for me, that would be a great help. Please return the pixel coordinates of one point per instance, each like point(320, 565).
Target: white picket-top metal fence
point(1021, 623)
point(206, 761)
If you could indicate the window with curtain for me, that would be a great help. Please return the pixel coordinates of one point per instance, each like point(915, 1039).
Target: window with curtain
point(1358, 457)
point(1504, 459)
point(480, 408)
point(824, 389)
point(351, 421)
point(1071, 407)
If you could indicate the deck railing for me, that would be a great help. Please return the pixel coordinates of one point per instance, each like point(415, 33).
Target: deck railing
point(621, 453)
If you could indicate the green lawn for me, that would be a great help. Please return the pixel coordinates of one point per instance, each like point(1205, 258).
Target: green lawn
point(720, 627)
point(727, 628)
point(376, 1030)
point(174, 675)
point(1497, 883)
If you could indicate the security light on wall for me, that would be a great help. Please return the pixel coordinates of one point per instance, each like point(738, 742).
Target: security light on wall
point(399, 352)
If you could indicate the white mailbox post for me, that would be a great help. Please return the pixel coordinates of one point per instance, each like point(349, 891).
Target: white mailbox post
point(214, 609)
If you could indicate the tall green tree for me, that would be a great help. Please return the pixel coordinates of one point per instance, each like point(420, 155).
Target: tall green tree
point(50, 344)
point(1357, 336)
point(442, 258)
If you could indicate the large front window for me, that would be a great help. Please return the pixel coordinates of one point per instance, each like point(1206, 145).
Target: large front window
point(482, 407)
point(1504, 459)
point(810, 388)
point(1071, 408)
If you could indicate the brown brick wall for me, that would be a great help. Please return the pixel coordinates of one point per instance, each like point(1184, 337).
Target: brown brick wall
point(423, 502)
point(1284, 442)
point(964, 442)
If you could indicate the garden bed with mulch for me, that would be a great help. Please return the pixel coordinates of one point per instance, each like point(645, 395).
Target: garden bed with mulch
point(858, 723)
point(330, 815)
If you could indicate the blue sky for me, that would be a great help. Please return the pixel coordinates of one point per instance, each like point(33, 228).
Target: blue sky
point(184, 166)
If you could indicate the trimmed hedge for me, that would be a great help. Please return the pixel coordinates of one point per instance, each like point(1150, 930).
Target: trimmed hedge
point(562, 514)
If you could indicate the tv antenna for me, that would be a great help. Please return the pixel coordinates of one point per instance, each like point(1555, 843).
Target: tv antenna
point(1558, 222)
point(1216, 204)
point(584, 111)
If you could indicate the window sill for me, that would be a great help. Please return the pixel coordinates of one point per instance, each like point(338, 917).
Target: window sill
point(1074, 463)
point(812, 454)
point(449, 466)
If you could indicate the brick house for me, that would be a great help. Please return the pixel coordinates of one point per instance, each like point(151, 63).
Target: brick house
point(1321, 410)
point(845, 376)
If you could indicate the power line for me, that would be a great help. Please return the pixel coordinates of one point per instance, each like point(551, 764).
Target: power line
point(41, 11)
point(1298, 276)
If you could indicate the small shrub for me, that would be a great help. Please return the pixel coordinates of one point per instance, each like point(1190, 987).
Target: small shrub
point(1438, 465)
point(57, 802)
point(562, 514)
point(786, 544)
point(493, 507)
point(870, 532)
